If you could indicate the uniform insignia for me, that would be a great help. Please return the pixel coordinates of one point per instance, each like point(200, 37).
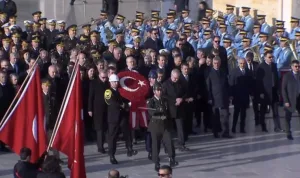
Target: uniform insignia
point(107, 94)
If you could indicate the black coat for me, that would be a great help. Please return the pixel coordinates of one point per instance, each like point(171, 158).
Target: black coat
point(117, 109)
point(218, 88)
point(240, 85)
point(188, 50)
point(267, 83)
point(25, 169)
point(171, 91)
point(290, 90)
point(181, 4)
point(155, 45)
point(7, 93)
point(96, 102)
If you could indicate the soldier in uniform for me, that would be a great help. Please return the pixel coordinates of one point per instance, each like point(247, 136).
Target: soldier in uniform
point(249, 21)
point(51, 33)
point(35, 47)
point(3, 18)
point(160, 126)
point(95, 44)
point(117, 118)
point(71, 40)
point(60, 54)
point(265, 28)
point(61, 27)
point(16, 41)
point(108, 54)
point(28, 30)
point(36, 16)
point(294, 27)
point(230, 19)
point(255, 37)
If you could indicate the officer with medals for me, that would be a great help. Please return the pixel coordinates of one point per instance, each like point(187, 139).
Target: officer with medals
point(102, 27)
point(231, 55)
point(160, 126)
point(117, 118)
point(71, 40)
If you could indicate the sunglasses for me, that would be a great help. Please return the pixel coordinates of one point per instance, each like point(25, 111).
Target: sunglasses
point(296, 66)
point(162, 175)
point(217, 41)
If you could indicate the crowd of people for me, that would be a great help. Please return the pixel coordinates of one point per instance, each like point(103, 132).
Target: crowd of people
point(196, 69)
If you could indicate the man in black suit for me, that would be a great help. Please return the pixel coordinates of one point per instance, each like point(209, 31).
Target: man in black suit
point(175, 93)
point(267, 88)
point(117, 118)
point(218, 97)
point(6, 97)
point(252, 66)
point(153, 42)
point(222, 53)
point(188, 82)
point(291, 95)
point(97, 107)
point(240, 85)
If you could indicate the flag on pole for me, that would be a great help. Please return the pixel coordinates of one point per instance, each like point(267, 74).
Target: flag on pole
point(68, 134)
point(24, 125)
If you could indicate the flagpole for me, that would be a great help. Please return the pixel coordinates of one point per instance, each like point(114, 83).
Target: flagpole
point(59, 118)
point(19, 91)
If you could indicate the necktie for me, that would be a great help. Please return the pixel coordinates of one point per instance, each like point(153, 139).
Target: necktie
point(243, 71)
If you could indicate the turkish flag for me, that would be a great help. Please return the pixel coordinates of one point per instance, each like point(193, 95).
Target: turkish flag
point(24, 125)
point(68, 136)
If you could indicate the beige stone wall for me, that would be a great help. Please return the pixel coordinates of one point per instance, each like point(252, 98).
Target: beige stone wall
point(271, 8)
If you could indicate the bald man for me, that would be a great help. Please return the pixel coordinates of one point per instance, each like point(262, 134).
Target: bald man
point(113, 174)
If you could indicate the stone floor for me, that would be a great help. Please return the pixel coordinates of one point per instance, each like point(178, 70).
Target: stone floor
point(251, 155)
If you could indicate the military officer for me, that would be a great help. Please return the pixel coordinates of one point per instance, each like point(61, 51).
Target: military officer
point(294, 27)
point(280, 31)
point(95, 43)
point(264, 26)
point(71, 40)
point(120, 27)
point(283, 54)
point(209, 16)
point(129, 37)
point(103, 26)
point(36, 16)
point(160, 126)
point(249, 21)
point(207, 41)
point(169, 41)
point(246, 47)
point(230, 19)
point(280, 24)
point(223, 33)
point(61, 26)
point(190, 38)
point(117, 118)
point(205, 26)
point(185, 16)
point(231, 53)
point(86, 29)
point(255, 37)
point(297, 38)
point(263, 41)
point(51, 33)
point(238, 44)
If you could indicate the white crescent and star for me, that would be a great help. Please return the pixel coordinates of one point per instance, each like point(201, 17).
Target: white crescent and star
point(125, 87)
point(34, 128)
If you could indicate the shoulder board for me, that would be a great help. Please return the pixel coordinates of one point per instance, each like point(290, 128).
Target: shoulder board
point(107, 94)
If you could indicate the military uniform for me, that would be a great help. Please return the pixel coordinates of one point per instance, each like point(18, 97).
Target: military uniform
point(160, 126)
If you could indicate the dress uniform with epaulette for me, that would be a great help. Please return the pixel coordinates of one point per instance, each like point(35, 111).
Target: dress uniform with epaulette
point(238, 44)
point(94, 43)
point(207, 41)
point(223, 33)
point(246, 47)
point(117, 118)
point(120, 27)
point(263, 42)
point(160, 126)
point(185, 16)
point(51, 34)
point(283, 54)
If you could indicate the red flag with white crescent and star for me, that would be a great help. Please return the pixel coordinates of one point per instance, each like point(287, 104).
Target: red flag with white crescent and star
point(24, 125)
point(135, 88)
point(68, 137)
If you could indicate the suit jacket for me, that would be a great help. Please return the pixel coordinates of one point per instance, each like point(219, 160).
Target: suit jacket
point(218, 88)
point(240, 85)
point(171, 91)
point(267, 83)
point(187, 50)
point(290, 90)
point(96, 102)
point(6, 97)
point(9, 7)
